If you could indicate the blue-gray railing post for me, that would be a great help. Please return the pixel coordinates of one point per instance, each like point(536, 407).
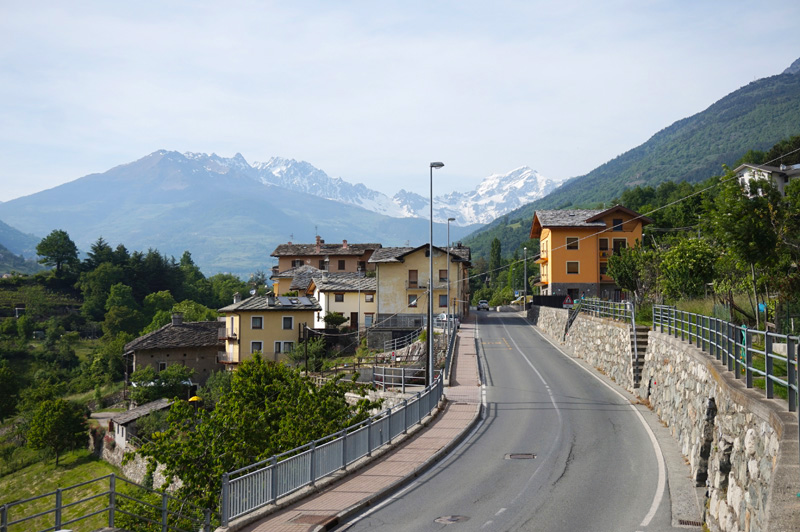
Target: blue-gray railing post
point(4, 518)
point(405, 416)
point(344, 448)
point(419, 404)
point(312, 466)
point(58, 508)
point(273, 480)
point(369, 436)
point(164, 513)
point(748, 358)
point(731, 354)
point(791, 360)
point(206, 520)
point(226, 495)
point(112, 499)
point(403, 378)
point(769, 363)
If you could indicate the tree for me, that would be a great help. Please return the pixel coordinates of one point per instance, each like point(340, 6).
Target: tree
point(99, 252)
point(686, 268)
point(122, 312)
point(333, 320)
point(270, 409)
point(57, 249)
point(57, 425)
point(495, 259)
point(149, 385)
point(8, 391)
point(308, 353)
point(635, 270)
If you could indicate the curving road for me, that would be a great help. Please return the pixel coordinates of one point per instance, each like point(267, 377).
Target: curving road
point(558, 450)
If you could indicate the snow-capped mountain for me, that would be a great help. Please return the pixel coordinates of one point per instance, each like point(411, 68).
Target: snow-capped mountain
point(493, 197)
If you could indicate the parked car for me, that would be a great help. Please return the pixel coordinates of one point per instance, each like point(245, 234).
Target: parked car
point(483, 305)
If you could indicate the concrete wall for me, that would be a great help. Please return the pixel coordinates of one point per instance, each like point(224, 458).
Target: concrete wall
point(741, 445)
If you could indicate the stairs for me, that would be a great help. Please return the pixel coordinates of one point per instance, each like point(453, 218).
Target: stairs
point(639, 335)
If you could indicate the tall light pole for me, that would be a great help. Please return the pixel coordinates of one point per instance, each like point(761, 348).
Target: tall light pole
point(448, 279)
point(429, 373)
point(525, 281)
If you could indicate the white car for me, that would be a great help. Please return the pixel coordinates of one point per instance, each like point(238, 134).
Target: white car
point(483, 305)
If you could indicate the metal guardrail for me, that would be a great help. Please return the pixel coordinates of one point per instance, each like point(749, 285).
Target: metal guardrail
point(616, 310)
point(260, 484)
point(65, 512)
point(749, 353)
point(399, 343)
point(384, 377)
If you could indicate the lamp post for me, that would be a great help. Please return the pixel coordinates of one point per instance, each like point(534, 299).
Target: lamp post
point(429, 373)
point(358, 323)
point(448, 279)
point(525, 281)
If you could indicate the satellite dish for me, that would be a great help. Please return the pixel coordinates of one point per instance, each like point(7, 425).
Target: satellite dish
point(253, 292)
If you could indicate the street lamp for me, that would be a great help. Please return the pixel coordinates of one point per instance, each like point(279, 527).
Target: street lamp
point(525, 281)
point(429, 373)
point(448, 279)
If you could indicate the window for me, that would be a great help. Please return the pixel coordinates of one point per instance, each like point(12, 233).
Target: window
point(603, 244)
point(412, 278)
point(368, 319)
point(572, 242)
point(277, 347)
point(369, 298)
point(443, 300)
point(603, 268)
point(288, 323)
point(620, 243)
point(362, 265)
point(322, 264)
point(296, 263)
point(288, 346)
point(256, 346)
point(341, 264)
point(573, 267)
point(162, 366)
point(257, 322)
point(412, 300)
point(338, 298)
point(443, 275)
point(617, 223)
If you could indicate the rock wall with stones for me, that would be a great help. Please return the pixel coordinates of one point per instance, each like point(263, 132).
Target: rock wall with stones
point(550, 320)
point(739, 444)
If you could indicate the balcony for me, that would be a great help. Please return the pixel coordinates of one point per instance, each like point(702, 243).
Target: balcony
point(225, 334)
point(542, 258)
point(416, 285)
point(226, 358)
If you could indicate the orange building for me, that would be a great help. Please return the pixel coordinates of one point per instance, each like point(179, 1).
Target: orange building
point(575, 246)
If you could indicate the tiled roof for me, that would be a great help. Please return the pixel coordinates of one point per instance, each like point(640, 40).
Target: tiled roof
point(274, 303)
point(338, 249)
point(569, 218)
point(457, 254)
point(187, 334)
point(345, 282)
point(300, 276)
point(141, 411)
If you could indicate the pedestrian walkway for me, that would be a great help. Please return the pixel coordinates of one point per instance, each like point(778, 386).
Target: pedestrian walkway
point(460, 412)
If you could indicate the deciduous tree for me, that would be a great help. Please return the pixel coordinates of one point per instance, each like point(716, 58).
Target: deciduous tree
point(57, 425)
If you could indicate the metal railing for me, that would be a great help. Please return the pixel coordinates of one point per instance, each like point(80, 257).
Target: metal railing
point(749, 353)
point(260, 484)
point(384, 377)
point(170, 513)
point(616, 310)
point(399, 343)
point(400, 321)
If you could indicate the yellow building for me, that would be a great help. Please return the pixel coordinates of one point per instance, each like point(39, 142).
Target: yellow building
point(575, 246)
point(350, 294)
point(337, 257)
point(403, 278)
point(269, 325)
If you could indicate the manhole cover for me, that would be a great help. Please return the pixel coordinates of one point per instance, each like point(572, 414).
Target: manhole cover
point(520, 456)
point(448, 519)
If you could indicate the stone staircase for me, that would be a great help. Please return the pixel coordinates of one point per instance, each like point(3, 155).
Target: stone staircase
point(639, 336)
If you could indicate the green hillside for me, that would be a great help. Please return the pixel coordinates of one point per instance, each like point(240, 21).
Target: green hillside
point(755, 117)
point(17, 242)
point(9, 262)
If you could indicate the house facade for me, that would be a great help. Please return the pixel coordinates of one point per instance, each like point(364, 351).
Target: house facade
point(266, 324)
point(402, 276)
point(780, 176)
point(192, 344)
point(295, 279)
point(575, 246)
point(339, 257)
point(351, 294)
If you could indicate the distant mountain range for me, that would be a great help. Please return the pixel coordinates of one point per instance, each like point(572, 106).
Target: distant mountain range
point(755, 117)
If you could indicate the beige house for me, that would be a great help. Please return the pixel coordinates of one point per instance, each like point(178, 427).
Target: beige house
point(266, 324)
point(339, 257)
point(351, 294)
point(402, 276)
point(193, 344)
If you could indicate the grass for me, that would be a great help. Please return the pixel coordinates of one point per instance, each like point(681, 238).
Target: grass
point(44, 477)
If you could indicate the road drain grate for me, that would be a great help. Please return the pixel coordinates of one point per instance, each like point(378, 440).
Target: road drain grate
point(686, 522)
point(520, 456)
point(449, 519)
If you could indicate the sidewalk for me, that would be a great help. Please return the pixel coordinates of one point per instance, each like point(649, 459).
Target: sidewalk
point(400, 464)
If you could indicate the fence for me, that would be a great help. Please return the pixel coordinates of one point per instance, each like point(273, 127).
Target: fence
point(169, 513)
point(749, 353)
point(257, 485)
point(393, 378)
point(399, 343)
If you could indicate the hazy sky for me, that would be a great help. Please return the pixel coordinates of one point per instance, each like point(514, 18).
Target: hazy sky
point(370, 91)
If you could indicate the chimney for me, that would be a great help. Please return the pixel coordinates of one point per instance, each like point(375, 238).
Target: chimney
point(344, 244)
point(177, 318)
point(319, 241)
point(237, 298)
point(458, 245)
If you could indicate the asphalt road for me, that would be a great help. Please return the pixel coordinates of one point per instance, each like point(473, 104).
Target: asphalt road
point(558, 450)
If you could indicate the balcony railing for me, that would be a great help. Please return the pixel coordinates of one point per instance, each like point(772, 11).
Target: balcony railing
point(224, 357)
